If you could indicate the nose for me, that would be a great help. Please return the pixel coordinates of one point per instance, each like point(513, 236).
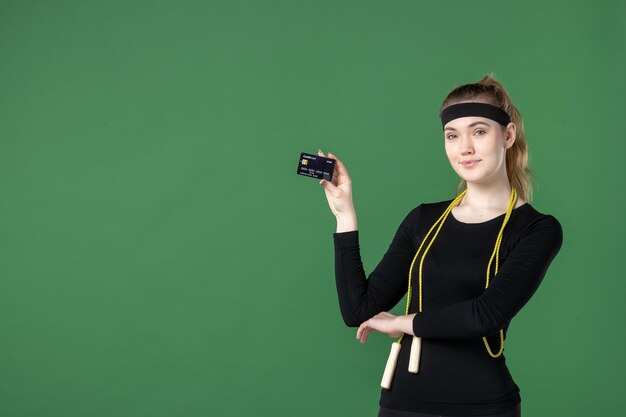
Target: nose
point(466, 145)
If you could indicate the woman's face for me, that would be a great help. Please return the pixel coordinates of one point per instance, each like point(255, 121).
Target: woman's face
point(481, 139)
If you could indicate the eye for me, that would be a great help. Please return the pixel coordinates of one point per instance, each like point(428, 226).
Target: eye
point(480, 130)
point(451, 134)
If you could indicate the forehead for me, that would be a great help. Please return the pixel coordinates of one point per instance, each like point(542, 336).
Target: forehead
point(468, 122)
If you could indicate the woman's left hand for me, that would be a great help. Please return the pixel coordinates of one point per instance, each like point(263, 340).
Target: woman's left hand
point(382, 322)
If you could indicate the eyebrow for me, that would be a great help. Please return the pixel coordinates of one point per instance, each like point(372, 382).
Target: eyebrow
point(470, 125)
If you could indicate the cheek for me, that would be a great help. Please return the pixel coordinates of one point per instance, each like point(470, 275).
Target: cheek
point(448, 149)
point(486, 147)
point(452, 158)
point(493, 148)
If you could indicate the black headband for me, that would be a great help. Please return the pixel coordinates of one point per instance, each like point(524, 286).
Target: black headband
point(474, 109)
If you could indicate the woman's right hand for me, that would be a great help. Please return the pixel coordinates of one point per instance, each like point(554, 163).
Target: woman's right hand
point(339, 190)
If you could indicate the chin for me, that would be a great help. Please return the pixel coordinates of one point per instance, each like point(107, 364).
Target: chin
point(469, 176)
point(473, 178)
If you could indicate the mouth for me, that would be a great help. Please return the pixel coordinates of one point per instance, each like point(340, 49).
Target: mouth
point(470, 163)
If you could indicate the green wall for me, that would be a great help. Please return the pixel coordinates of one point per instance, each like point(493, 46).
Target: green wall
point(160, 257)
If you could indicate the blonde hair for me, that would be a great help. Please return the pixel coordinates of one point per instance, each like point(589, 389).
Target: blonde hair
point(490, 91)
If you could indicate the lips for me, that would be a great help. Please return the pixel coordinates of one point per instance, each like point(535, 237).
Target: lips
point(470, 162)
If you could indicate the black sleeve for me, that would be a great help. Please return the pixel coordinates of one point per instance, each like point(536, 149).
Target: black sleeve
point(509, 290)
point(361, 298)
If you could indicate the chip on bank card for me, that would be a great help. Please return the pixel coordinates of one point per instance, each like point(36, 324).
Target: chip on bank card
point(316, 166)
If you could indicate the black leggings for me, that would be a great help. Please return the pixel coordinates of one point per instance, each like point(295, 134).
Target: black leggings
point(388, 412)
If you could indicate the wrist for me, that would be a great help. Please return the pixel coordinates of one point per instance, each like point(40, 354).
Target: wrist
point(346, 223)
point(404, 323)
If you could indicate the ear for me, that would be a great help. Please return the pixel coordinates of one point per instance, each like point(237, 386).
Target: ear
point(509, 135)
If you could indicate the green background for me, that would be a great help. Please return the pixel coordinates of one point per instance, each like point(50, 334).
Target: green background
point(160, 256)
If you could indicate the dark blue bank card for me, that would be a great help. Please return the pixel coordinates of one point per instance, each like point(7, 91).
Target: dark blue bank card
point(316, 166)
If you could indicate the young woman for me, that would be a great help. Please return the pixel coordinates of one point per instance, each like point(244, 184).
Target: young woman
point(467, 265)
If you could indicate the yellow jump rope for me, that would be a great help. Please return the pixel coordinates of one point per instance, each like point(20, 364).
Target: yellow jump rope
point(416, 344)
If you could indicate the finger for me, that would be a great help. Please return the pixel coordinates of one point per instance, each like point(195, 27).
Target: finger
point(365, 334)
point(339, 166)
point(359, 331)
point(363, 328)
point(328, 185)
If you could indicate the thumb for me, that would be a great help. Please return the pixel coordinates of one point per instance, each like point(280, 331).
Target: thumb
point(327, 184)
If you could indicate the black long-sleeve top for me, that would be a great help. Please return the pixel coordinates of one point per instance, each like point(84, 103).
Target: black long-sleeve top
point(456, 373)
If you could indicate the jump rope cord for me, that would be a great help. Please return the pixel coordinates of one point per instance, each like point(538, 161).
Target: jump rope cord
point(496, 254)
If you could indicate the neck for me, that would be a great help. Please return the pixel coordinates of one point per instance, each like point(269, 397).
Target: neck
point(495, 195)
